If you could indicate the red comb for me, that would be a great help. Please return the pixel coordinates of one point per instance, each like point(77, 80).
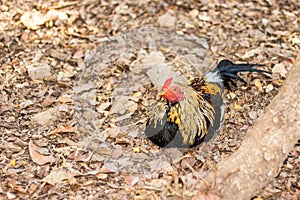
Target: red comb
point(167, 83)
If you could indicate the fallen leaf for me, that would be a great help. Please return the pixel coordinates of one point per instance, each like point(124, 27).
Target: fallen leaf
point(237, 106)
point(39, 72)
point(12, 163)
point(83, 156)
point(12, 147)
point(101, 176)
point(108, 168)
point(269, 88)
point(37, 157)
point(279, 68)
point(252, 114)
point(134, 181)
point(4, 108)
point(57, 175)
point(65, 99)
point(20, 189)
point(194, 13)
point(205, 195)
point(123, 104)
point(160, 164)
point(10, 195)
point(112, 132)
point(258, 85)
point(251, 53)
point(26, 104)
point(32, 19)
point(48, 101)
point(63, 129)
point(167, 20)
point(204, 17)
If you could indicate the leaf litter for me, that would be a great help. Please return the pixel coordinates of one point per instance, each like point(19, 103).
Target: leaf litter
point(45, 46)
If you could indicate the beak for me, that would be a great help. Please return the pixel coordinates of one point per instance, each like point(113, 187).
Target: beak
point(162, 93)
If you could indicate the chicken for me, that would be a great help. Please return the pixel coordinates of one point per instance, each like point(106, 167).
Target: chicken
point(187, 115)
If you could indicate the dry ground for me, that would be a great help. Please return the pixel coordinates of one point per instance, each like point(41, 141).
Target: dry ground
point(43, 45)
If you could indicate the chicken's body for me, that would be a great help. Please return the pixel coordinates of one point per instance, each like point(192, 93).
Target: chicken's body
point(187, 115)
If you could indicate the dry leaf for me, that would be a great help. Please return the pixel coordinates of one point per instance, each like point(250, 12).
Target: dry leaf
point(37, 157)
point(204, 17)
point(12, 147)
point(65, 99)
point(39, 72)
point(258, 85)
point(237, 106)
point(10, 195)
point(32, 19)
point(167, 20)
point(251, 53)
point(269, 88)
point(123, 104)
point(194, 13)
point(203, 195)
point(83, 156)
point(252, 114)
point(56, 176)
point(45, 118)
point(63, 129)
point(48, 101)
point(108, 168)
point(279, 68)
point(160, 164)
point(20, 189)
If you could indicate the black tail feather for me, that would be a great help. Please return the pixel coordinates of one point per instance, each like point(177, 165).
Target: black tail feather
point(233, 76)
point(228, 71)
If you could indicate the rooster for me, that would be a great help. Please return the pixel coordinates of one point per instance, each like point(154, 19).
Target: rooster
point(187, 115)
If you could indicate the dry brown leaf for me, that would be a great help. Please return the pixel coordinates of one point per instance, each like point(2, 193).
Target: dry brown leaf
point(65, 99)
point(32, 19)
point(251, 53)
point(63, 129)
point(202, 195)
point(20, 189)
point(279, 68)
point(83, 156)
point(4, 108)
point(37, 157)
point(12, 147)
point(48, 101)
point(123, 104)
point(167, 20)
point(39, 72)
point(160, 164)
point(10, 195)
point(252, 114)
point(45, 118)
point(57, 175)
point(108, 168)
point(269, 88)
